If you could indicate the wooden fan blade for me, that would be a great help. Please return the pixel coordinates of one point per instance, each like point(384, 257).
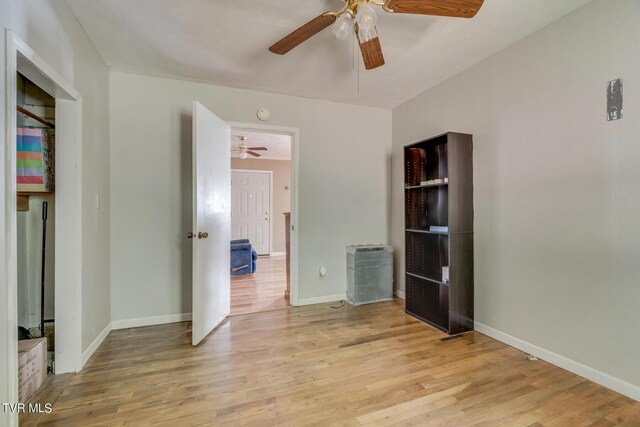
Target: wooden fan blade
point(371, 53)
point(453, 8)
point(254, 154)
point(257, 148)
point(303, 33)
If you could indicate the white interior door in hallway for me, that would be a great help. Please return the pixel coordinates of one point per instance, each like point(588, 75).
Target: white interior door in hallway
point(251, 208)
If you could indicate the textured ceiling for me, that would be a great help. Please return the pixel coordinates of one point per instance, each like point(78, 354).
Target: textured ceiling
point(225, 43)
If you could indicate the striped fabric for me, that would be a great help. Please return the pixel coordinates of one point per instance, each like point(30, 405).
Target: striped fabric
point(30, 173)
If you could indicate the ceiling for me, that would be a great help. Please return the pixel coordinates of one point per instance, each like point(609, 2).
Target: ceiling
point(278, 145)
point(225, 43)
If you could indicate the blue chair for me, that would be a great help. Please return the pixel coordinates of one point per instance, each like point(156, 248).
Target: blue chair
point(243, 258)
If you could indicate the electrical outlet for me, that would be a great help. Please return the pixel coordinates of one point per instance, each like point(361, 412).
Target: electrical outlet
point(322, 271)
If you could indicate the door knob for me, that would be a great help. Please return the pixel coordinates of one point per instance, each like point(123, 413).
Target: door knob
point(203, 235)
point(190, 235)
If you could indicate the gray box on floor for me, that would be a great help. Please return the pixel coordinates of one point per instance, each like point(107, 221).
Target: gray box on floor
point(369, 274)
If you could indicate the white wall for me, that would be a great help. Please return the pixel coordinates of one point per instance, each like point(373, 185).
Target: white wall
point(344, 180)
point(53, 32)
point(557, 240)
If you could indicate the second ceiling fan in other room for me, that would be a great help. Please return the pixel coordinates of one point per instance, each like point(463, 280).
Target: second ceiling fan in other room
point(244, 151)
point(359, 16)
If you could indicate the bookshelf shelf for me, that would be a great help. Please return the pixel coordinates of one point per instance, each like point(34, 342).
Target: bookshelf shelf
point(414, 187)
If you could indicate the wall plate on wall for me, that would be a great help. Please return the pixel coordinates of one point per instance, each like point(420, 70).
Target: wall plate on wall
point(263, 114)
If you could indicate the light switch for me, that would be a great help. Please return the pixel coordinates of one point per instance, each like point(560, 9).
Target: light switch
point(97, 201)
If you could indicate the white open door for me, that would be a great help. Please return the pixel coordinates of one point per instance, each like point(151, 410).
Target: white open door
point(211, 221)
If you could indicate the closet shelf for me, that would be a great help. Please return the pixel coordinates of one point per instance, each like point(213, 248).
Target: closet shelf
point(35, 193)
point(442, 233)
point(419, 276)
point(22, 198)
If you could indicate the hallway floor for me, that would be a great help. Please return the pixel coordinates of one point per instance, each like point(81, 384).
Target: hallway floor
point(263, 290)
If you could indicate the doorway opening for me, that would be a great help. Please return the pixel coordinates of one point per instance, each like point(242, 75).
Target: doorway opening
point(261, 200)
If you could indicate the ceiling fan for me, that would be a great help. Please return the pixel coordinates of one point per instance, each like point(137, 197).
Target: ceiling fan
point(360, 16)
point(244, 151)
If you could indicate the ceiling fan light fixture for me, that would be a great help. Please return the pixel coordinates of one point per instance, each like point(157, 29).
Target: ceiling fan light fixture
point(365, 35)
point(343, 27)
point(242, 155)
point(366, 17)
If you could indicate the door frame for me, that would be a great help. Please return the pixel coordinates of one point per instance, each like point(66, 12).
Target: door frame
point(294, 133)
point(270, 200)
point(68, 264)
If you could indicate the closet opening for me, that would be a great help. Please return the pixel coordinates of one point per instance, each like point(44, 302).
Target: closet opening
point(36, 234)
point(43, 226)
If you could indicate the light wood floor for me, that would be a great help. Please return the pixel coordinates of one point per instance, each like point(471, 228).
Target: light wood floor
point(262, 290)
point(316, 365)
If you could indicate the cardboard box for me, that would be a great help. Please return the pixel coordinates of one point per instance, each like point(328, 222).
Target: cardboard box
point(32, 367)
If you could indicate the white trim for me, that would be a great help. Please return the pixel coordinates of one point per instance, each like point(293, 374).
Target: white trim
point(38, 71)
point(150, 321)
point(295, 172)
point(86, 355)
point(278, 253)
point(616, 384)
point(9, 373)
point(399, 293)
point(322, 299)
point(262, 157)
point(68, 222)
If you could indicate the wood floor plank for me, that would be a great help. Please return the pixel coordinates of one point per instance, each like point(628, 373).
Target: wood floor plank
point(315, 365)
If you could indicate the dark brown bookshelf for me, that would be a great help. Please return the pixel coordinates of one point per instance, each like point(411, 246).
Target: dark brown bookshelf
point(446, 306)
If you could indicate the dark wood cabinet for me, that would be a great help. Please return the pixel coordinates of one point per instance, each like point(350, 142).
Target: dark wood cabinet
point(439, 231)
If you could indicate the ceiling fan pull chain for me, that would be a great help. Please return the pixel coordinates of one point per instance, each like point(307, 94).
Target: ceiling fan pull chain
point(353, 54)
point(358, 75)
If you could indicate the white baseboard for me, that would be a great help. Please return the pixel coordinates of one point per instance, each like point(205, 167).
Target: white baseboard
point(399, 293)
point(616, 384)
point(320, 300)
point(86, 355)
point(278, 253)
point(149, 321)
